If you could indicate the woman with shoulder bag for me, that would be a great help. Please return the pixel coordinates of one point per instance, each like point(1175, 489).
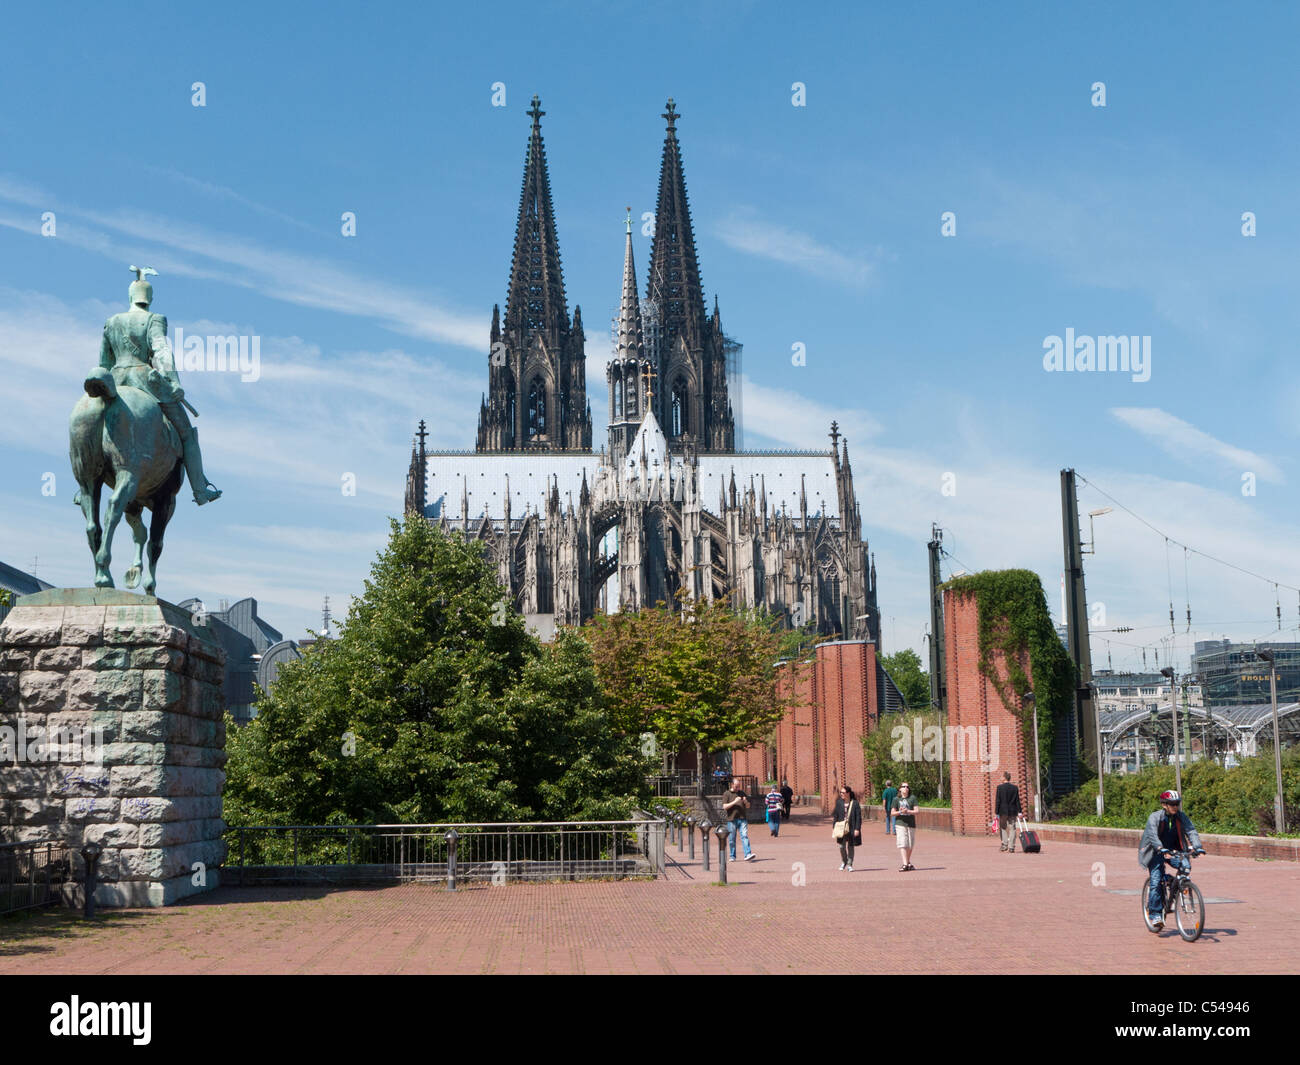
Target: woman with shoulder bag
point(848, 826)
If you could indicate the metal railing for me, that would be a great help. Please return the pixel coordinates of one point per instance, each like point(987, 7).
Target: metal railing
point(32, 874)
point(496, 853)
point(685, 782)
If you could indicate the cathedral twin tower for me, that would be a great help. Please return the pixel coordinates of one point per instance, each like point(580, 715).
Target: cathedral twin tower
point(670, 357)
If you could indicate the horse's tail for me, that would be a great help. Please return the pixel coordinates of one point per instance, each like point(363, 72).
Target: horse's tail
point(85, 434)
point(100, 384)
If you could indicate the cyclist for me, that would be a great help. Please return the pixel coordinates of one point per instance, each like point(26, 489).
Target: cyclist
point(1167, 830)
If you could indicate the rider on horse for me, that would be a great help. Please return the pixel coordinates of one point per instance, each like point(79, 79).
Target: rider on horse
point(135, 352)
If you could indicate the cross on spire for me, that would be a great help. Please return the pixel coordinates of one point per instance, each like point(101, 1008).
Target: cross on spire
point(422, 434)
point(671, 115)
point(650, 376)
point(536, 112)
point(835, 435)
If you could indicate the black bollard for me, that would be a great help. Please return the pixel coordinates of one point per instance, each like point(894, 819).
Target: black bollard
point(90, 855)
point(690, 835)
point(704, 831)
point(721, 832)
point(681, 843)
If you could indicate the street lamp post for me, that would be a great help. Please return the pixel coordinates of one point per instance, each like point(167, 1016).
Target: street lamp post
point(1279, 811)
point(1168, 671)
point(1038, 773)
point(1101, 757)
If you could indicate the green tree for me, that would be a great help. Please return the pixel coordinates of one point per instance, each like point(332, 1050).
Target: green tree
point(433, 703)
point(699, 675)
point(6, 597)
point(912, 679)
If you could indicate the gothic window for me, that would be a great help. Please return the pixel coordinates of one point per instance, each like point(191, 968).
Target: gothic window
point(536, 408)
point(618, 399)
point(510, 409)
point(632, 404)
point(679, 421)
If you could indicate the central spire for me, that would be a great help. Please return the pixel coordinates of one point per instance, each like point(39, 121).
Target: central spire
point(630, 345)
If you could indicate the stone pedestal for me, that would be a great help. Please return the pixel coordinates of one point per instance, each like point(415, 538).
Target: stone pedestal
point(112, 732)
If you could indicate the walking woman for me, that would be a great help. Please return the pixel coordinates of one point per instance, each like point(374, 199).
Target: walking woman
point(848, 826)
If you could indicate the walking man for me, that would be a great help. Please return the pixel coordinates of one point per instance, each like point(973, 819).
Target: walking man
point(1006, 804)
point(735, 804)
point(891, 793)
point(773, 803)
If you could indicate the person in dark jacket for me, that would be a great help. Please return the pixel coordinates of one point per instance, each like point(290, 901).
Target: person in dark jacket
point(1168, 834)
point(849, 810)
point(1006, 804)
point(787, 797)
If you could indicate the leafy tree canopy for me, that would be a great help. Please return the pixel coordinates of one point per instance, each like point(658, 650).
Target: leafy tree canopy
point(433, 704)
point(912, 679)
point(699, 674)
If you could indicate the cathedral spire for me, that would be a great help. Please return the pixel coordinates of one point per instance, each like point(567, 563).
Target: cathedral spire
point(674, 281)
point(536, 302)
point(630, 344)
point(416, 473)
point(537, 391)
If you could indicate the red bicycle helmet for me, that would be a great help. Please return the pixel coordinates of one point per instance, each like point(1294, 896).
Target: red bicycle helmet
point(1171, 797)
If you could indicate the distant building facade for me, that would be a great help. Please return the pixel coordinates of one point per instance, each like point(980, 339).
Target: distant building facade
point(254, 650)
point(1233, 675)
point(18, 583)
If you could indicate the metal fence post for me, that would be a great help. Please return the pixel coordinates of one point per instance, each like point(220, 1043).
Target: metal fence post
point(294, 830)
point(451, 859)
point(721, 832)
point(704, 834)
point(90, 855)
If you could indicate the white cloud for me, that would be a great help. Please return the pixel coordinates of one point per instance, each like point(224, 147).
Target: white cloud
point(1184, 441)
point(745, 232)
point(793, 420)
point(304, 280)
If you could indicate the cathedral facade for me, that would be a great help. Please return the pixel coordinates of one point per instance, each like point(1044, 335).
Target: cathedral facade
point(667, 505)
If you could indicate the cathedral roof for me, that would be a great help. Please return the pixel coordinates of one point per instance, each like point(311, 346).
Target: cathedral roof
point(649, 446)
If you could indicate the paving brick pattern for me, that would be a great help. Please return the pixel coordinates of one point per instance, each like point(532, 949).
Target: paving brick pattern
point(966, 909)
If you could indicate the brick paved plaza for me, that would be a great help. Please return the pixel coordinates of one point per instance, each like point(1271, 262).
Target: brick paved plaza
point(966, 909)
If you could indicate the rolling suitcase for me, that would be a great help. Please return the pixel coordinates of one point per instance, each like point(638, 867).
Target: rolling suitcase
point(1028, 840)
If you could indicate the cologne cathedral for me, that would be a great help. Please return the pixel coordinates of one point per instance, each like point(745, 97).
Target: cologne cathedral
point(668, 504)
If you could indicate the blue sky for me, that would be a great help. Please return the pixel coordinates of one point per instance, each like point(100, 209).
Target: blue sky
point(817, 225)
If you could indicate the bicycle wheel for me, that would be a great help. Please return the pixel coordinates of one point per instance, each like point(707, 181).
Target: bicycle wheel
point(1189, 908)
point(1143, 899)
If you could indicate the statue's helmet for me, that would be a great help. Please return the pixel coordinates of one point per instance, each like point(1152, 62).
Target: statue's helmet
point(141, 292)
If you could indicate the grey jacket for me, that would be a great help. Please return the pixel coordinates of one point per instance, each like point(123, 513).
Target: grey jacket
point(1149, 847)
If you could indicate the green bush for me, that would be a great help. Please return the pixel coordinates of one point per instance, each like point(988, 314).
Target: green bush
point(1236, 801)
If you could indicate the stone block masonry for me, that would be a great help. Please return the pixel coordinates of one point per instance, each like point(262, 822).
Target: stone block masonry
point(112, 732)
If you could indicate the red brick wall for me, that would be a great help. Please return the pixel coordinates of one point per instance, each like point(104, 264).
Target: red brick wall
point(819, 741)
point(973, 702)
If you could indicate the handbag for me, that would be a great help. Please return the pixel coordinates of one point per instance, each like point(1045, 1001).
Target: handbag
point(840, 830)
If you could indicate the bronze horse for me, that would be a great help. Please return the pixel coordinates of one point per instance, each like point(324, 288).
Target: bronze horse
point(119, 437)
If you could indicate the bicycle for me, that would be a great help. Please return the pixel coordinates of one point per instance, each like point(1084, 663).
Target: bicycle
point(1182, 898)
